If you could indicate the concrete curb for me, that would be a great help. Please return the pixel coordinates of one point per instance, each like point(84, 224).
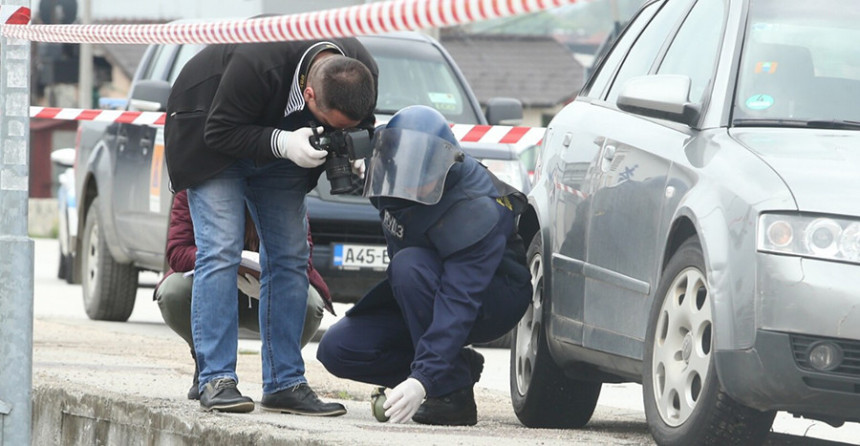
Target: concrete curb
point(95, 384)
point(79, 417)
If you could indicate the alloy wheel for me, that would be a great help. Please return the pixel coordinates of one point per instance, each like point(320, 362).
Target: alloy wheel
point(682, 347)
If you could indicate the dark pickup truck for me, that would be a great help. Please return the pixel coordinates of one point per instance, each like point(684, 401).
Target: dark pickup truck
point(123, 198)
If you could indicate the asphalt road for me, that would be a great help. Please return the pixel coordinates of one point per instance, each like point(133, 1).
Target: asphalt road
point(619, 418)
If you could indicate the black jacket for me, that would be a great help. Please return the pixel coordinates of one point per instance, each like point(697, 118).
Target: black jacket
point(228, 100)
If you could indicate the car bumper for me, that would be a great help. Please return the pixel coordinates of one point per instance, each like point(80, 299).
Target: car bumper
point(800, 302)
point(767, 377)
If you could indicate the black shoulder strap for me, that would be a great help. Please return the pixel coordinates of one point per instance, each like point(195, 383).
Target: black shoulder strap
point(518, 200)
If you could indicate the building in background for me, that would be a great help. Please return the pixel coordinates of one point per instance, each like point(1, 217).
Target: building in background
point(538, 70)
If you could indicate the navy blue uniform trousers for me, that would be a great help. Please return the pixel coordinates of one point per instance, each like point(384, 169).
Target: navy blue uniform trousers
point(374, 343)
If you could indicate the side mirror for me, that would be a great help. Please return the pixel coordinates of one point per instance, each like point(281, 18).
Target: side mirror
point(149, 96)
point(63, 157)
point(504, 111)
point(663, 96)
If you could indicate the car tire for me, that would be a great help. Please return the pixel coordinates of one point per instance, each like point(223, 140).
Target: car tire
point(109, 288)
point(541, 394)
point(66, 269)
point(684, 402)
point(63, 266)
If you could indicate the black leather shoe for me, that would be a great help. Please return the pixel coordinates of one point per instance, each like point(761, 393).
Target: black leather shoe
point(301, 400)
point(222, 395)
point(454, 409)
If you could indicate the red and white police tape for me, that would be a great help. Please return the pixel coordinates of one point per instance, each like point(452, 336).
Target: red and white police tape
point(11, 15)
point(502, 134)
point(368, 18)
point(79, 114)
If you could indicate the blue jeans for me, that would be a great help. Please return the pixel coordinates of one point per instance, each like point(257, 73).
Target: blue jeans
point(275, 196)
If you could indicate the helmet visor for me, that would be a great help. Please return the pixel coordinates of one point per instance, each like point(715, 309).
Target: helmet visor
point(409, 164)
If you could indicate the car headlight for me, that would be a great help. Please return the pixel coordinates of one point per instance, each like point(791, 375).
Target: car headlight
point(509, 171)
point(812, 236)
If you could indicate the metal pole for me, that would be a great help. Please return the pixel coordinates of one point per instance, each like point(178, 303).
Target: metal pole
point(16, 248)
point(85, 61)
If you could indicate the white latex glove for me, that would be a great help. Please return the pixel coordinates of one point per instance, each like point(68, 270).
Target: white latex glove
point(249, 285)
point(358, 168)
point(404, 400)
point(296, 147)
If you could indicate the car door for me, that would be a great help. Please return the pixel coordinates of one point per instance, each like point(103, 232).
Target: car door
point(625, 241)
point(625, 188)
point(139, 178)
point(571, 145)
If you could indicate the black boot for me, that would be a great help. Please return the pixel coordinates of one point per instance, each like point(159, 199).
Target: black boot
point(475, 361)
point(301, 400)
point(194, 391)
point(222, 395)
point(454, 409)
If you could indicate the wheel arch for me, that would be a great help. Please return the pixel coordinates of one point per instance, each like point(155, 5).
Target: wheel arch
point(682, 229)
point(734, 320)
point(100, 183)
point(528, 225)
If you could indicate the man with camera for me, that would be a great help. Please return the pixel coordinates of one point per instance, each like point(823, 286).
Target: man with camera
point(457, 274)
point(173, 292)
point(240, 119)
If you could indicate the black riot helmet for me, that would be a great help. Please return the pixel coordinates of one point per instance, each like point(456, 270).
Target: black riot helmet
point(412, 155)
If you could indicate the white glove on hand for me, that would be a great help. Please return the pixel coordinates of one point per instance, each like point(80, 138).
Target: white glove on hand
point(404, 400)
point(249, 285)
point(358, 168)
point(296, 147)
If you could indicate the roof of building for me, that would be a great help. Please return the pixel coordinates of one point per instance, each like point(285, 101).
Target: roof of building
point(126, 57)
point(537, 70)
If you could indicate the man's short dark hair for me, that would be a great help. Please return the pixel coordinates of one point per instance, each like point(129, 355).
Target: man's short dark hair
point(346, 85)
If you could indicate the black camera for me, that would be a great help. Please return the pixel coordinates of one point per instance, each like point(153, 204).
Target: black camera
point(343, 147)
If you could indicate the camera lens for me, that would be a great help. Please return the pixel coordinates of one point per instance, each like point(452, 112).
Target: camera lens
point(339, 174)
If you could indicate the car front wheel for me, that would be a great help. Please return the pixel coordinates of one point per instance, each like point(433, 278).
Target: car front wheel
point(109, 287)
point(684, 403)
point(542, 395)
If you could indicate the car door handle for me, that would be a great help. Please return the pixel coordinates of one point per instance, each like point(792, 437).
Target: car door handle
point(609, 152)
point(121, 141)
point(145, 144)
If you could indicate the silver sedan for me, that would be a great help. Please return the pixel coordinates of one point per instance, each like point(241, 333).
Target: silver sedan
point(695, 225)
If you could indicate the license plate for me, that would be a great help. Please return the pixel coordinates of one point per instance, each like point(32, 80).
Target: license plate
point(360, 256)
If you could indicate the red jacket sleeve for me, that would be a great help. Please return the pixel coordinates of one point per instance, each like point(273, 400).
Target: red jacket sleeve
point(315, 278)
point(181, 250)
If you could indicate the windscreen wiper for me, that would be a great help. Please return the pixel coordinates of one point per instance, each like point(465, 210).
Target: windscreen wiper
point(840, 124)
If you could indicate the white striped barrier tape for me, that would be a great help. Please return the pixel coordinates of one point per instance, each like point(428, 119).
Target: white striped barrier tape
point(501, 134)
point(368, 18)
point(78, 114)
point(372, 18)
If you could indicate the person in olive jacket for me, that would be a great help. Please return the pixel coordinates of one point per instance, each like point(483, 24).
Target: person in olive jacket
point(239, 119)
point(173, 292)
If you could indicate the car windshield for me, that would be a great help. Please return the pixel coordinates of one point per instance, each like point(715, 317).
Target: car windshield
point(800, 66)
point(418, 75)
